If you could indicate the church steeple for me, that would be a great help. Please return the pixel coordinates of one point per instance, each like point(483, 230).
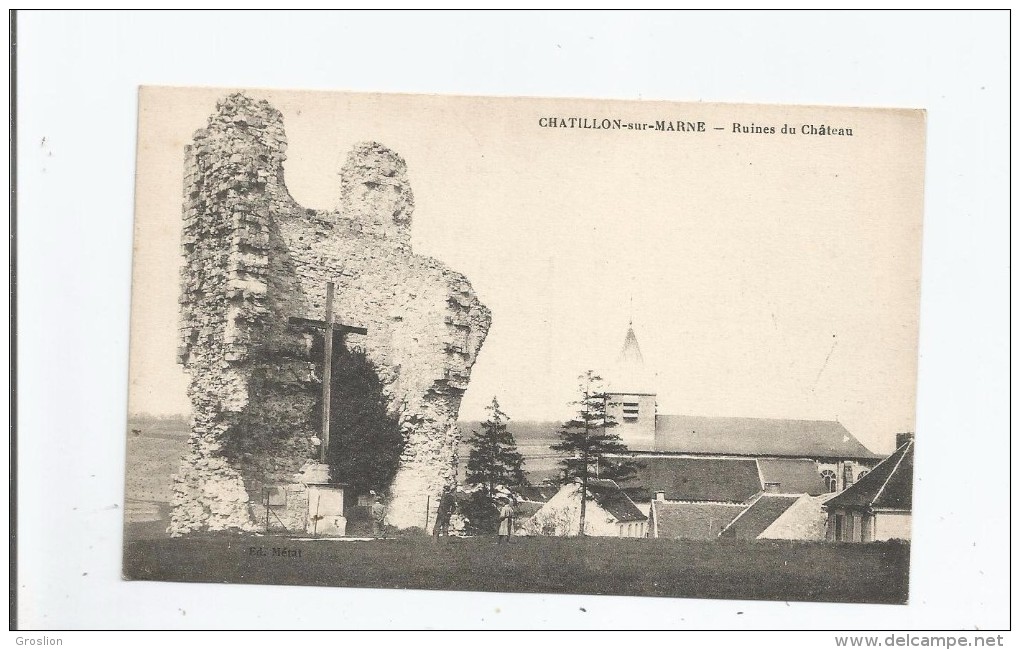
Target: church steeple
point(630, 353)
point(629, 374)
point(632, 395)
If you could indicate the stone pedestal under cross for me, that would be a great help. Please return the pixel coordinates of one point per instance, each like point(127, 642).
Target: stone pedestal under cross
point(325, 507)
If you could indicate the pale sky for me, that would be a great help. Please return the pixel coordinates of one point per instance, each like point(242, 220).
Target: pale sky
point(769, 275)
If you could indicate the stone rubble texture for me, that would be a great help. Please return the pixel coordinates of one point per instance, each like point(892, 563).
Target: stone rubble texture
point(253, 259)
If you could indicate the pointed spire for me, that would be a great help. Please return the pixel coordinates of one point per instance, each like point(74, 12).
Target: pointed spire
point(630, 353)
point(629, 373)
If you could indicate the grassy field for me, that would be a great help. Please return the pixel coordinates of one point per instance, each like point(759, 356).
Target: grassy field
point(736, 569)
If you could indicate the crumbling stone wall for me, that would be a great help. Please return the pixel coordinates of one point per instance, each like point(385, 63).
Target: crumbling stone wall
point(253, 259)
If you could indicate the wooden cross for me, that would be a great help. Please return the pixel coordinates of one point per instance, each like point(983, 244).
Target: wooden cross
point(331, 329)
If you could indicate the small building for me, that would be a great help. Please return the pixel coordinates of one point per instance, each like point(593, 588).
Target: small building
point(609, 512)
point(878, 507)
point(529, 500)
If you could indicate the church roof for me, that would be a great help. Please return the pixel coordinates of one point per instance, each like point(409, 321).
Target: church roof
point(757, 437)
point(888, 485)
point(732, 480)
point(759, 515)
point(794, 475)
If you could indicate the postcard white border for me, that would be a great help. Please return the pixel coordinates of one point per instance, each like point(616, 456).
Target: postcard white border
point(77, 81)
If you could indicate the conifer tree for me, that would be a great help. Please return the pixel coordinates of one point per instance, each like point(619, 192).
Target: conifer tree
point(494, 460)
point(588, 437)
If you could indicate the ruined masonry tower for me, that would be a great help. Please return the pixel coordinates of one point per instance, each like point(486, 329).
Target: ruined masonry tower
point(254, 258)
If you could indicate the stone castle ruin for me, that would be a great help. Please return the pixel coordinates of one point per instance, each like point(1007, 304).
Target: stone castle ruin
point(256, 262)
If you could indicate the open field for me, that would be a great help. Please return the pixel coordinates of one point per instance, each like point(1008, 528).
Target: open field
point(736, 569)
point(155, 446)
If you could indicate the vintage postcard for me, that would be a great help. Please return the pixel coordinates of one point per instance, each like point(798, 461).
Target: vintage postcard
point(524, 345)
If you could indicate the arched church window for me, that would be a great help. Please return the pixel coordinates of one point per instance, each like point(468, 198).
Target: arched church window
point(862, 474)
point(829, 477)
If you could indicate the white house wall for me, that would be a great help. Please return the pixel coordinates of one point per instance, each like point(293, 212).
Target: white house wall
point(561, 516)
point(892, 525)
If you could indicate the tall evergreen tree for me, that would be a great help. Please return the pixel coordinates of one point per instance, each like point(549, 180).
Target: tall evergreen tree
point(494, 460)
point(588, 437)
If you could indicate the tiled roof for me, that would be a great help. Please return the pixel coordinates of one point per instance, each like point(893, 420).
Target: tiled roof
point(805, 520)
point(525, 509)
point(888, 485)
point(691, 520)
point(757, 437)
point(695, 479)
point(758, 516)
point(794, 475)
point(538, 493)
point(613, 500)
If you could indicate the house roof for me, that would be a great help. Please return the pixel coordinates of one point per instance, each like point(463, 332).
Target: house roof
point(758, 516)
point(757, 437)
point(614, 500)
point(525, 509)
point(695, 479)
point(805, 520)
point(888, 485)
point(537, 493)
point(794, 475)
point(691, 520)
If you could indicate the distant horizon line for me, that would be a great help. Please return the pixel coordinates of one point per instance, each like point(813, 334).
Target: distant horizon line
point(181, 415)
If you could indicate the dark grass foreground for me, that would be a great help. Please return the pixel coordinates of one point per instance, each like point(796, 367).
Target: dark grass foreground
point(735, 569)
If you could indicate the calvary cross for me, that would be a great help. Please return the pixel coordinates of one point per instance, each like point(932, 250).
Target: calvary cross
point(331, 329)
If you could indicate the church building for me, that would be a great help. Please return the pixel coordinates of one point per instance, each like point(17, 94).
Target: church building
point(683, 455)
